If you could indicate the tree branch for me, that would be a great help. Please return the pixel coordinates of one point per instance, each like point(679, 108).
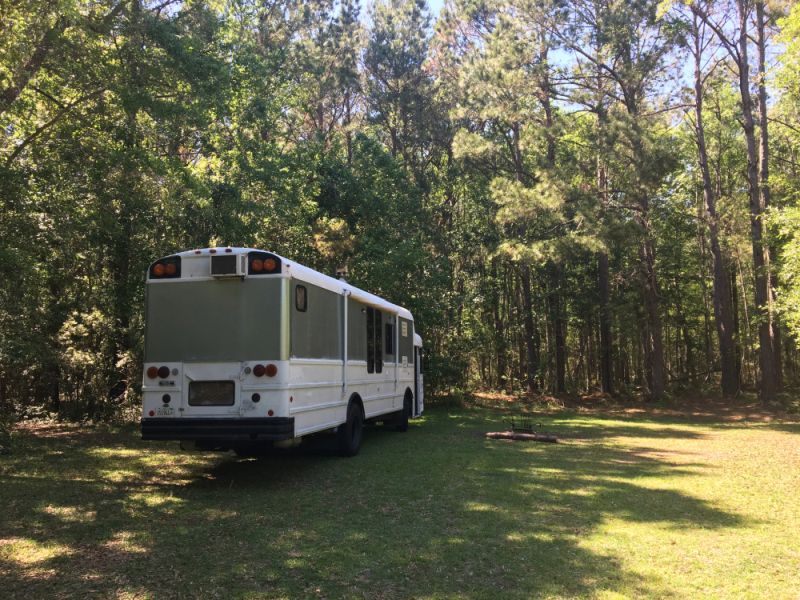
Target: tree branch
point(57, 117)
point(30, 68)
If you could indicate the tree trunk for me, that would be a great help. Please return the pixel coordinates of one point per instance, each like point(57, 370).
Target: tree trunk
point(763, 181)
point(604, 292)
point(499, 328)
point(768, 383)
point(723, 314)
point(557, 319)
point(555, 300)
point(653, 345)
point(530, 352)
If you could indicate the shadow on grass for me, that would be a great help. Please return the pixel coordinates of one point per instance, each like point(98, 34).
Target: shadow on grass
point(787, 427)
point(436, 512)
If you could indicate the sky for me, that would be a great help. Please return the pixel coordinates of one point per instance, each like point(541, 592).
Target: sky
point(435, 6)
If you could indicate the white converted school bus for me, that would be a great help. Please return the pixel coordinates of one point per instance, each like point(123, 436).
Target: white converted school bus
point(245, 347)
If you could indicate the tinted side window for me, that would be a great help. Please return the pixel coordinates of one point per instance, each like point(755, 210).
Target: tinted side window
point(378, 341)
point(370, 340)
point(390, 339)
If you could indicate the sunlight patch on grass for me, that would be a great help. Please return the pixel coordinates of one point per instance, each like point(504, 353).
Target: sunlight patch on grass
point(125, 541)
point(219, 514)
point(481, 507)
point(132, 594)
point(115, 452)
point(70, 514)
point(120, 475)
point(26, 551)
point(153, 499)
point(294, 563)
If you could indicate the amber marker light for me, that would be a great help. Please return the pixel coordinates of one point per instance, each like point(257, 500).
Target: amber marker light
point(270, 264)
point(159, 270)
point(271, 370)
point(152, 372)
point(258, 265)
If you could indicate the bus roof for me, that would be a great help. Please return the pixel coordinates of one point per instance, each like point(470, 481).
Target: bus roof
point(300, 272)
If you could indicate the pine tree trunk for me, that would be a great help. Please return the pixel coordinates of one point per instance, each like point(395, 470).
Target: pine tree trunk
point(653, 344)
point(764, 188)
point(606, 341)
point(530, 351)
point(604, 292)
point(559, 334)
point(768, 383)
point(499, 328)
point(723, 314)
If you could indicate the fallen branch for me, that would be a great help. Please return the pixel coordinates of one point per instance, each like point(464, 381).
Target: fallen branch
point(523, 437)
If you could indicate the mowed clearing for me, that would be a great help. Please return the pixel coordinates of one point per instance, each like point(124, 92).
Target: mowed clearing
point(630, 504)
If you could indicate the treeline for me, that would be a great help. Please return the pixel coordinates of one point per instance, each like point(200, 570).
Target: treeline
point(570, 196)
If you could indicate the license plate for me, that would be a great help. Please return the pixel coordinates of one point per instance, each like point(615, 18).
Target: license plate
point(165, 411)
point(211, 393)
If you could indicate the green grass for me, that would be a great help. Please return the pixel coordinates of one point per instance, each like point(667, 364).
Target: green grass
point(627, 506)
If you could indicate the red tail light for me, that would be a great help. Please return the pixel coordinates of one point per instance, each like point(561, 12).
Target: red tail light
point(259, 370)
point(163, 372)
point(166, 268)
point(263, 263)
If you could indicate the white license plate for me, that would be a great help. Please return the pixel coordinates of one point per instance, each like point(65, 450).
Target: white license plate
point(165, 411)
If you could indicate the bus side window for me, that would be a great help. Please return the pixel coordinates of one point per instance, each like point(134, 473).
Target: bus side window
point(378, 342)
point(300, 298)
point(390, 339)
point(370, 340)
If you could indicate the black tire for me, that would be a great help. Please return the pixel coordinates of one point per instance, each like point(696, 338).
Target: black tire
point(404, 416)
point(351, 432)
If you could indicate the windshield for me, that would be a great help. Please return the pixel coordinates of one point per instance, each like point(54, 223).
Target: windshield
point(220, 320)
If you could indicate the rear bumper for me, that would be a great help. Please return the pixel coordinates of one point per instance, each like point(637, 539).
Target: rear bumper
point(230, 429)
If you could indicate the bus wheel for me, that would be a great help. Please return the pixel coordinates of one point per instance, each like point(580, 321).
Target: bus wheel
point(350, 433)
point(405, 415)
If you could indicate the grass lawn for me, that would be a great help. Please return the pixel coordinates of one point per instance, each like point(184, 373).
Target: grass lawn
point(630, 505)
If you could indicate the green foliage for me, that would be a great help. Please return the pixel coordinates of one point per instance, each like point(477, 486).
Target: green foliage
point(452, 166)
point(787, 223)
